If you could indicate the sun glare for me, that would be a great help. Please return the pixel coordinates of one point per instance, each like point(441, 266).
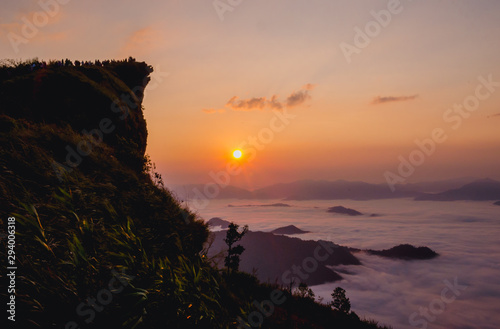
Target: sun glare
point(237, 154)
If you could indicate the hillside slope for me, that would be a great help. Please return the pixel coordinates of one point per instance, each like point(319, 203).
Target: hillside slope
point(99, 242)
point(86, 206)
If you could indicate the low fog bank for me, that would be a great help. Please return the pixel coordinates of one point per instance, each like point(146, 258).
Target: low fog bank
point(394, 291)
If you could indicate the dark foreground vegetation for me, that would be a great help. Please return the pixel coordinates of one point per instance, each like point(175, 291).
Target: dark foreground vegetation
point(100, 242)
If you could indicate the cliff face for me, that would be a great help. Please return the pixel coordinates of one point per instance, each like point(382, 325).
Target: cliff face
point(74, 175)
point(80, 97)
point(65, 125)
point(80, 131)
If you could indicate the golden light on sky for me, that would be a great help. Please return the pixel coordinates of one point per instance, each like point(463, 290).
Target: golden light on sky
point(324, 90)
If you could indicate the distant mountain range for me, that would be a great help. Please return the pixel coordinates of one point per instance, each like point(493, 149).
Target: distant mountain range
point(447, 190)
point(481, 190)
point(436, 186)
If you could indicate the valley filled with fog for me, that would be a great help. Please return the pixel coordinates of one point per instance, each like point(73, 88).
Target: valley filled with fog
point(458, 289)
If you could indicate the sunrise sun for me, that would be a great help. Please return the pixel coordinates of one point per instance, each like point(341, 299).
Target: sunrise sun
point(237, 154)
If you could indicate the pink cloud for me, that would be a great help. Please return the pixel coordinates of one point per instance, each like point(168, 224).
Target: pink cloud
point(142, 42)
point(388, 99)
point(296, 98)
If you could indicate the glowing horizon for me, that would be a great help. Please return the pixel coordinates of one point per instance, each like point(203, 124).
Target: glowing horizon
point(366, 83)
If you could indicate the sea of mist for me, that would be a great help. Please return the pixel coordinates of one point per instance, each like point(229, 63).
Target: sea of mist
point(465, 234)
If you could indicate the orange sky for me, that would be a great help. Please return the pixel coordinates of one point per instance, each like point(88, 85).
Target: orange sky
point(219, 82)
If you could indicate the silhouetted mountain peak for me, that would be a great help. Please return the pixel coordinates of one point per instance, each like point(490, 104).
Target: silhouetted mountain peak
point(344, 210)
point(406, 251)
point(290, 229)
point(217, 221)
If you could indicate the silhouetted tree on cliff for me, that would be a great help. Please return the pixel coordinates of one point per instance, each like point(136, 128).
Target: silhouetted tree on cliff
point(340, 301)
point(232, 260)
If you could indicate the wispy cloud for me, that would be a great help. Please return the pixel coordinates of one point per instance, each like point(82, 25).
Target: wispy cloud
point(494, 115)
point(255, 103)
point(6, 28)
point(142, 42)
point(42, 33)
point(299, 97)
point(294, 99)
point(388, 99)
point(20, 18)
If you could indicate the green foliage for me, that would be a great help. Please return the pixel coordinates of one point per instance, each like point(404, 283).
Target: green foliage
point(232, 260)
